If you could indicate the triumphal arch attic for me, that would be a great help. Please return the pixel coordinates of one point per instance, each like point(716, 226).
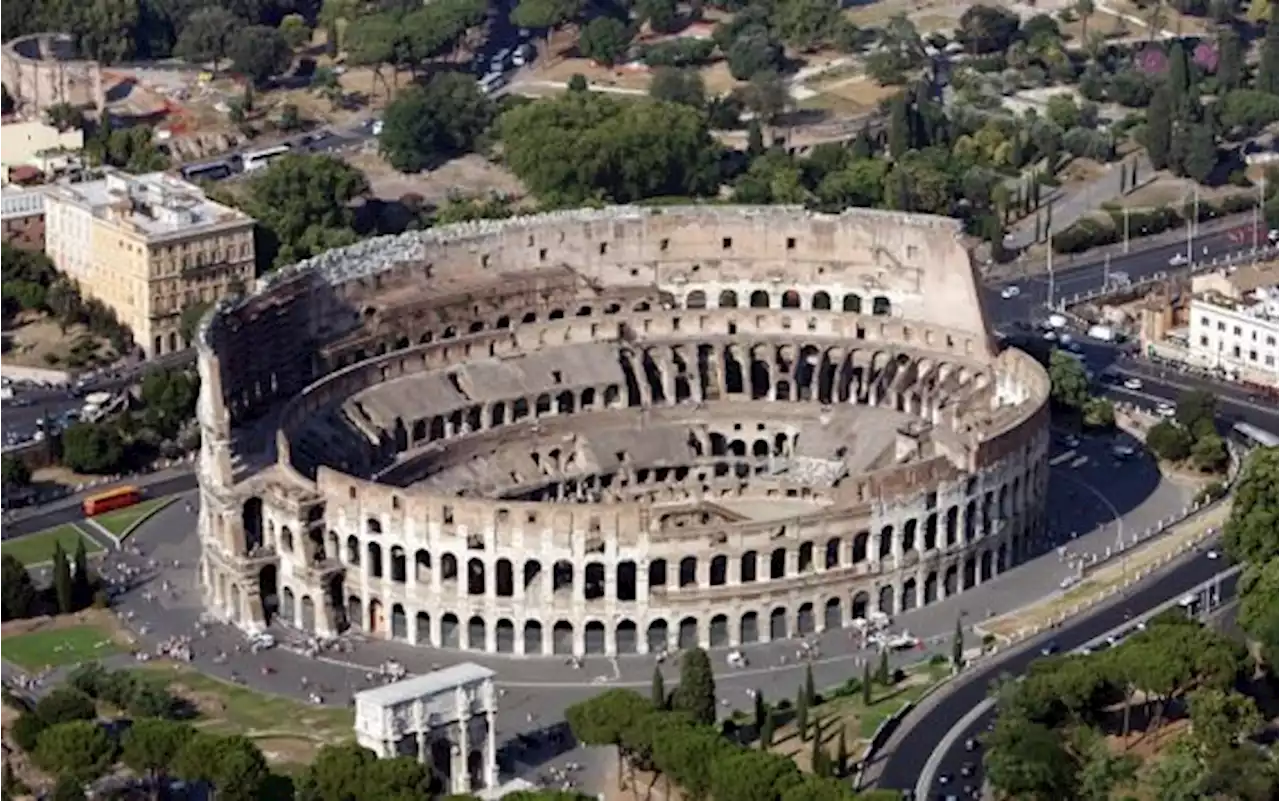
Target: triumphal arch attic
point(616, 431)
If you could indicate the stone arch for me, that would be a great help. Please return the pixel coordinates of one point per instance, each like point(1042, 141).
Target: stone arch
point(791, 299)
point(477, 634)
point(718, 633)
point(533, 637)
point(504, 636)
point(728, 299)
point(375, 560)
point(307, 614)
point(851, 303)
point(832, 614)
point(821, 301)
point(909, 595)
point(450, 634)
point(562, 638)
point(476, 578)
point(376, 618)
point(269, 592)
point(697, 299)
point(399, 623)
point(880, 306)
point(399, 566)
point(747, 567)
point(687, 636)
point(422, 629)
point(251, 521)
point(593, 638)
point(805, 623)
point(759, 299)
point(688, 572)
point(625, 638)
point(657, 636)
point(353, 550)
point(778, 629)
point(749, 628)
point(885, 601)
point(719, 570)
point(288, 611)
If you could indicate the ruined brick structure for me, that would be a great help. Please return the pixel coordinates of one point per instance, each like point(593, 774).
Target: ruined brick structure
point(617, 431)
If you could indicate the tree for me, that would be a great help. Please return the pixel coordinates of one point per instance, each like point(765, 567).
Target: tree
point(605, 40)
point(151, 745)
point(760, 709)
point(1069, 384)
point(766, 731)
point(957, 646)
point(883, 675)
point(1209, 454)
point(68, 788)
point(1196, 408)
point(17, 589)
point(810, 692)
point(1169, 441)
point(1099, 413)
point(62, 586)
point(986, 29)
point(79, 748)
point(546, 14)
point(81, 583)
point(755, 139)
point(64, 116)
point(899, 126)
point(350, 771)
point(1249, 533)
point(751, 52)
point(259, 52)
point(657, 689)
point(662, 15)
point(1201, 156)
point(295, 30)
point(1159, 131)
point(16, 474)
point(638, 148)
point(807, 24)
point(206, 35)
point(189, 322)
point(427, 125)
point(1268, 79)
point(302, 203)
point(64, 705)
point(233, 765)
point(1230, 72)
point(866, 683)
point(92, 448)
point(1221, 718)
point(1027, 761)
point(1084, 10)
point(678, 85)
point(842, 754)
point(696, 694)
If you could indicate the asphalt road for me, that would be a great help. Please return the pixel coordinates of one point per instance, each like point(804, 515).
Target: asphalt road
point(69, 510)
point(902, 767)
point(1030, 304)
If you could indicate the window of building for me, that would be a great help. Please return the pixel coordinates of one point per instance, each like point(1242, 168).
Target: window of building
point(1222, 326)
point(1270, 361)
point(1253, 355)
point(1235, 351)
point(1204, 342)
point(1204, 321)
point(1235, 331)
point(1271, 340)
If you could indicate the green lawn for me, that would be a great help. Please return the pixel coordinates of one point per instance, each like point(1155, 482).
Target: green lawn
point(36, 548)
point(119, 521)
point(228, 708)
point(68, 646)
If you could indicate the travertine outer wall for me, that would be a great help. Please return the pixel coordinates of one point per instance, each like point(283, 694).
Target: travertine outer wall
point(515, 350)
point(41, 70)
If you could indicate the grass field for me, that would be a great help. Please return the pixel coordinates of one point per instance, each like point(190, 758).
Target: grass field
point(289, 731)
point(121, 520)
point(61, 646)
point(37, 548)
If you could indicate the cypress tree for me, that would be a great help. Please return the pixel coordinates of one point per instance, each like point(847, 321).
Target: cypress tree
point(697, 691)
point(81, 587)
point(658, 689)
point(866, 684)
point(62, 580)
point(766, 731)
point(899, 127)
point(810, 692)
point(755, 139)
point(1159, 133)
point(802, 714)
point(1179, 72)
point(1268, 68)
point(957, 647)
point(761, 711)
point(1230, 61)
point(816, 754)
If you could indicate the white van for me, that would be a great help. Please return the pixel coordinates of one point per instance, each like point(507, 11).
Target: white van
point(492, 82)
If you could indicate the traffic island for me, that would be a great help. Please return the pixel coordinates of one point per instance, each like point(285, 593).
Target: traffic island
point(1108, 578)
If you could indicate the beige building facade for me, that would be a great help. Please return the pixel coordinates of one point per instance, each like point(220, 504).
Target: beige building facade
point(1234, 323)
point(33, 143)
point(149, 247)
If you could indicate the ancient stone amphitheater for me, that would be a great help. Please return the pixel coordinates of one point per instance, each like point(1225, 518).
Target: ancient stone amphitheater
point(616, 431)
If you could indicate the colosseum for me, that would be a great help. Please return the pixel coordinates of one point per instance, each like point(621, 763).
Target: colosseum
point(616, 431)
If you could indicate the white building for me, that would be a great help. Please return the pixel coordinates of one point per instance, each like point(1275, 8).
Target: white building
point(1234, 323)
point(447, 719)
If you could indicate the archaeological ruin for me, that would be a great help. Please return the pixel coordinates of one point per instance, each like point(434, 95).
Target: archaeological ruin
point(614, 431)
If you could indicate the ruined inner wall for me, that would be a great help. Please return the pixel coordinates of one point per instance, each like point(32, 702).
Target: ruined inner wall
point(41, 70)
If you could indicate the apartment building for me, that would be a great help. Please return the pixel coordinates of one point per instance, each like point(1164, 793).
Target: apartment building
point(33, 144)
point(1234, 319)
point(22, 219)
point(148, 246)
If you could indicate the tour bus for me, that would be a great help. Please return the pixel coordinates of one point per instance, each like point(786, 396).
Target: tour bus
point(259, 159)
point(210, 171)
point(1251, 436)
point(117, 498)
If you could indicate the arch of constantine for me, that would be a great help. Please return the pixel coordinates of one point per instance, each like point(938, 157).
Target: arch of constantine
point(617, 431)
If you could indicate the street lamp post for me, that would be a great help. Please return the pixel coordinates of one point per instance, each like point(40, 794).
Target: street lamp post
point(1257, 211)
point(1126, 229)
point(1048, 255)
point(1191, 221)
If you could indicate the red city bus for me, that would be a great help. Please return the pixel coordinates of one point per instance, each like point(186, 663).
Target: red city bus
point(117, 498)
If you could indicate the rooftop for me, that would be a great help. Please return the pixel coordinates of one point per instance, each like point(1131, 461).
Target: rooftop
point(433, 683)
point(155, 205)
point(19, 203)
